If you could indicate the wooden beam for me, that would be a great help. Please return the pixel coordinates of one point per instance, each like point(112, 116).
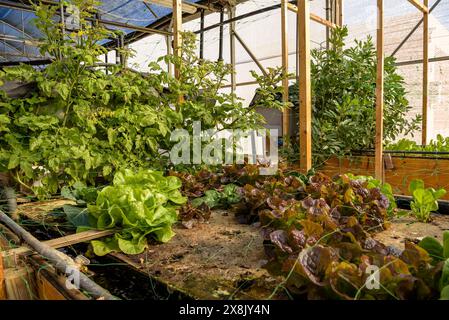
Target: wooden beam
point(177, 29)
point(313, 16)
point(285, 84)
point(186, 7)
point(379, 168)
point(305, 90)
point(61, 242)
point(425, 103)
point(422, 7)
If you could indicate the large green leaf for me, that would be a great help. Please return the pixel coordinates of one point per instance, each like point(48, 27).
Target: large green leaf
point(433, 247)
point(446, 244)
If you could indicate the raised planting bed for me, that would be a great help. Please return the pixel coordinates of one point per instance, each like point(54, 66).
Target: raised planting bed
point(220, 259)
point(399, 170)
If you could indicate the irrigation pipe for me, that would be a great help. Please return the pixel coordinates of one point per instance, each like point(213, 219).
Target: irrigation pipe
point(59, 260)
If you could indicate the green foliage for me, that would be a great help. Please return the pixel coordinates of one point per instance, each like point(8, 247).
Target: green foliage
point(137, 205)
point(319, 236)
point(440, 255)
point(214, 199)
point(83, 125)
point(425, 201)
point(385, 188)
point(440, 144)
point(80, 192)
point(343, 98)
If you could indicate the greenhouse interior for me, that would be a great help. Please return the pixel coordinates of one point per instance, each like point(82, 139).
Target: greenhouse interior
point(193, 150)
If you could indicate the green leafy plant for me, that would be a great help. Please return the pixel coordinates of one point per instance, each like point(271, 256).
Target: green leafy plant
point(319, 236)
point(80, 193)
point(343, 98)
point(81, 124)
point(213, 198)
point(440, 255)
point(425, 201)
point(385, 188)
point(137, 205)
point(440, 144)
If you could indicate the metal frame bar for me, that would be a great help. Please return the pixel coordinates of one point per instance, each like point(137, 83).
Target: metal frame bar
point(414, 29)
point(24, 7)
point(250, 53)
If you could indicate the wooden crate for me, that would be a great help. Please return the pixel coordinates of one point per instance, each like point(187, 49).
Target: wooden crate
point(402, 170)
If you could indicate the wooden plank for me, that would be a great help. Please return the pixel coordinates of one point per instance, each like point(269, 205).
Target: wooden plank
point(425, 102)
point(20, 284)
point(285, 84)
point(305, 90)
point(322, 21)
point(8, 238)
point(177, 29)
point(62, 242)
point(186, 7)
point(379, 167)
point(313, 16)
point(434, 172)
point(2, 282)
point(424, 8)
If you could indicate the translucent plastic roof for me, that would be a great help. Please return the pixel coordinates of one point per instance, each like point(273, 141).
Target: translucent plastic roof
point(16, 25)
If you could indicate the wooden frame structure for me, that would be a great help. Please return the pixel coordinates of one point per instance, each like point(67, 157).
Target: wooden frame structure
point(304, 17)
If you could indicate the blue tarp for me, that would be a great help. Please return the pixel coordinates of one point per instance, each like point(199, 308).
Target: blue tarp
point(15, 23)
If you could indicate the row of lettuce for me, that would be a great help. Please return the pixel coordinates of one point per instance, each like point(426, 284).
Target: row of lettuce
point(318, 231)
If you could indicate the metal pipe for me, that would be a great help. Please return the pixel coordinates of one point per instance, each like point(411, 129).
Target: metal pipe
point(220, 49)
point(243, 16)
point(250, 53)
point(202, 35)
point(59, 260)
point(414, 30)
point(407, 63)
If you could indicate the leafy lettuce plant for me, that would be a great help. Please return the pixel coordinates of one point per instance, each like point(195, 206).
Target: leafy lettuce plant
point(385, 188)
point(136, 205)
point(440, 255)
point(425, 201)
point(213, 198)
point(440, 144)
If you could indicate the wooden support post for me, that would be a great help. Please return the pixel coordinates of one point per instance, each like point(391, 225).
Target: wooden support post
point(177, 29)
point(232, 48)
point(284, 35)
point(379, 166)
point(340, 13)
point(425, 102)
point(305, 90)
